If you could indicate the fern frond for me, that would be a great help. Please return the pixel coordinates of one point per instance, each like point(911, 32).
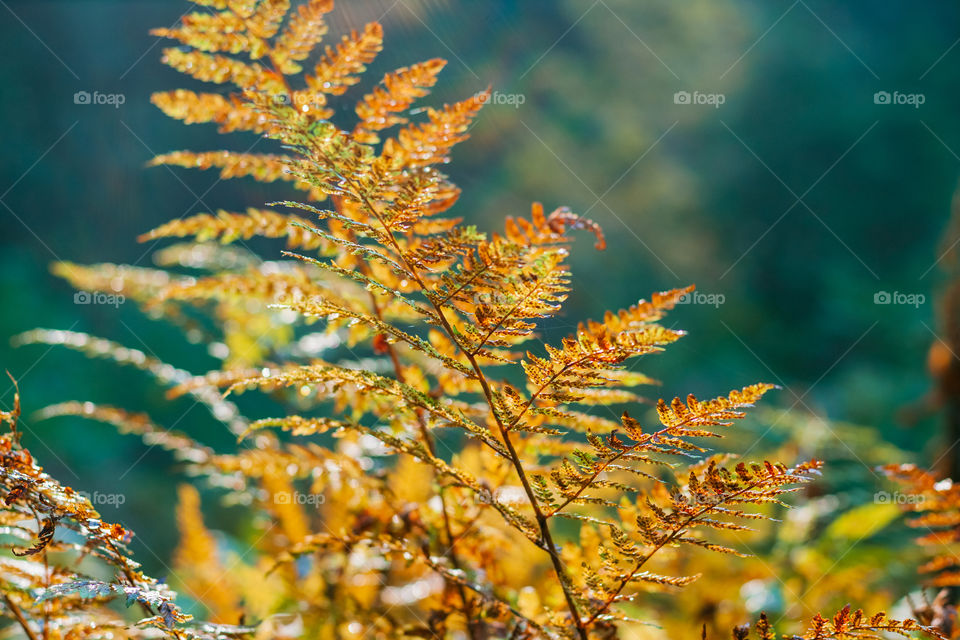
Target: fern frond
point(641, 446)
point(35, 503)
point(378, 110)
point(304, 31)
point(937, 502)
point(397, 395)
point(849, 626)
point(435, 482)
point(220, 69)
point(506, 320)
point(260, 167)
point(420, 145)
point(168, 375)
point(266, 18)
point(136, 283)
point(588, 358)
point(224, 31)
point(341, 66)
point(139, 424)
point(227, 227)
point(704, 497)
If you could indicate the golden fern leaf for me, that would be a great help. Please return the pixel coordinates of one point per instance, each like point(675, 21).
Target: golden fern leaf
point(247, 287)
point(266, 18)
point(341, 66)
point(589, 357)
point(220, 69)
point(243, 8)
point(261, 167)
point(224, 31)
point(547, 230)
point(683, 420)
point(506, 319)
point(717, 493)
point(228, 227)
point(135, 283)
point(613, 452)
point(228, 112)
point(401, 88)
point(850, 626)
point(139, 424)
point(420, 145)
point(937, 501)
point(304, 31)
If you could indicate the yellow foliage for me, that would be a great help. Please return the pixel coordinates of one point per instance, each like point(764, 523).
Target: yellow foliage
point(442, 474)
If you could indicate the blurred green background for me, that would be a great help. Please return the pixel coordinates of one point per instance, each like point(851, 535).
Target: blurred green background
point(794, 202)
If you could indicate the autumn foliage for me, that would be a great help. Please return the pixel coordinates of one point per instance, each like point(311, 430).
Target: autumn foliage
point(450, 475)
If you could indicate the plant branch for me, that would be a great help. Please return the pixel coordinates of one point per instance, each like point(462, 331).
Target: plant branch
point(549, 544)
point(15, 610)
point(679, 529)
point(430, 444)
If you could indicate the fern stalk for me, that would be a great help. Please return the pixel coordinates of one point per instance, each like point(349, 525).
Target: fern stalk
point(548, 543)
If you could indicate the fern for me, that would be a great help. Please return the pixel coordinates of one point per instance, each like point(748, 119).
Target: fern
point(937, 500)
point(424, 491)
point(844, 625)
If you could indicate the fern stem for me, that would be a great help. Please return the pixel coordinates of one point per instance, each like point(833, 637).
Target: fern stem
point(544, 527)
point(15, 610)
point(430, 444)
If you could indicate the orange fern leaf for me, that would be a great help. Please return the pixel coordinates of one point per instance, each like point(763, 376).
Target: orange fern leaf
point(341, 66)
point(420, 145)
point(304, 31)
point(401, 88)
point(227, 227)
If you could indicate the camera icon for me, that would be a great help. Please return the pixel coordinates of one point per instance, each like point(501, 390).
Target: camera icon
point(686, 298)
point(882, 297)
point(281, 98)
point(881, 497)
point(81, 97)
point(82, 297)
point(282, 497)
point(881, 97)
point(681, 97)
